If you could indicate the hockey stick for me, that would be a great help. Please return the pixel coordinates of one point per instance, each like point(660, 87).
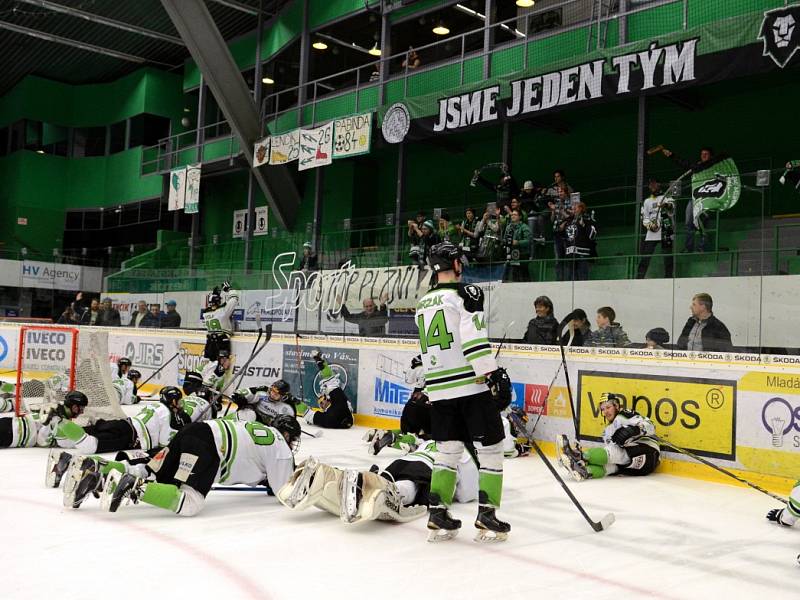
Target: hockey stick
point(219, 394)
point(503, 340)
point(313, 434)
point(243, 371)
point(566, 319)
point(654, 149)
point(600, 525)
point(300, 365)
point(549, 387)
point(174, 356)
point(708, 463)
point(236, 488)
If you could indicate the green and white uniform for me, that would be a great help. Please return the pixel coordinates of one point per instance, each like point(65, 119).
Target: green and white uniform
point(152, 426)
point(65, 433)
point(214, 377)
point(220, 319)
point(18, 432)
point(196, 407)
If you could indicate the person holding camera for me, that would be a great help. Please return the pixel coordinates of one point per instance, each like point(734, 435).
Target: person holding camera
point(469, 235)
point(517, 244)
point(657, 219)
point(561, 214)
point(581, 235)
point(489, 230)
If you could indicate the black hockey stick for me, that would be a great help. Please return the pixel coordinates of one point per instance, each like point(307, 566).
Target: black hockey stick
point(566, 319)
point(503, 340)
point(317, 434)
point(174, 356)
point(549, 387)
point(708, 463)
point(600, 525)
point(241, 488)
point(243, 371)
point(300, 364)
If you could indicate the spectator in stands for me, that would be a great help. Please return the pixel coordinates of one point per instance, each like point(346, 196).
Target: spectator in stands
point(416, 252)
point(577, 329)
point(542, 329)
point(141, 317)
point(371, 322)
point(706, 156)
point(531, 201)
point(504, 190)
point(609, 333)
point(559, 181)
point(656, 339)
point(155, 314)
point(657, 220)
point(514, 205)
point(91, 314)
point(309, 260)
point(469, 235)
point(109, 316)
point(703, 331)
point(517, 242)
point(171, 319)
point(447, 231)
point(581, 240)
point(560, 213)
point(68, 317)
point(489, 230)
point(412, 60)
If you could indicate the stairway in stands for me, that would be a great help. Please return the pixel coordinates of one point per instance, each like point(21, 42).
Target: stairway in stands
point(781, 256)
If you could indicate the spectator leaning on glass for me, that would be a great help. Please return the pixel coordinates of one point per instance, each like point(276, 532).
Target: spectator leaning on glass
point(577, 329)
point(609, 333)
point(489, 229)
point(560, 212)
point(706, 155)
point(517, 242)
point(703, 331)
point(581, 242)
point(109, 316)
point(469, 236)
point(371, 322)
point(542, 329)
point(171, 319)
point(155, 313)
point(657, 219)
point(141, 317)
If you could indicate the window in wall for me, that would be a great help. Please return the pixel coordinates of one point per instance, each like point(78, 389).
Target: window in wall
point(92, 219)
point(95, 141)
point(147, 130)
point(54, 139)
point(117, 137)
point(216, 125)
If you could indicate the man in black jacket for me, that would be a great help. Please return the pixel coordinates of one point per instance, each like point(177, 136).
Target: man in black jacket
point(371, 322)
point(703, 331)
point(706, 159)
point(544, 328)
point(171, 319)
point(109, 316)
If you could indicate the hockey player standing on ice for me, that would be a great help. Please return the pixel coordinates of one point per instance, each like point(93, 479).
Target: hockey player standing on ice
point(459, 365)
point(127, 387)
point(217, 318)
point(627, 451)
point(202, 454)
point(335, 412)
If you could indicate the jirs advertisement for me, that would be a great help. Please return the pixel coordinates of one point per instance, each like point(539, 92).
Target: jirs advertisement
point(695, 413)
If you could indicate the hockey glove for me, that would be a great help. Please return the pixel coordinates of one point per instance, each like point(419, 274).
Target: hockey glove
point(623, 434)
point(416, 361)
point(226, 286)
point(775, 516)
point(179, 420)
point(239, 399)
point(500, 385)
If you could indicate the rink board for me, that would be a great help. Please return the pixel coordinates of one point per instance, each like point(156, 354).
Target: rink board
point(740, 411)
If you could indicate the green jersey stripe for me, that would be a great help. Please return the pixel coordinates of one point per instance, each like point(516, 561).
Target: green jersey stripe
point(479, 354)
point(433, 374)
point(448, 386)
point(471, 343)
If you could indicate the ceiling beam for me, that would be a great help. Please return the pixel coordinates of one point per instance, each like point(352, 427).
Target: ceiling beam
point(49, 37)
point(82, 14)
point(351, 45)
point(240, 6)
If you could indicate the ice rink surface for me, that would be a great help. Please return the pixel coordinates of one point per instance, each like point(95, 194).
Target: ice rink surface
point(673, 538)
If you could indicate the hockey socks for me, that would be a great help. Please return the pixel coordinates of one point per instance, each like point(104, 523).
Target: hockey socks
point(596, 461)
point(491, 484)
point(163, 495)
point(443, 484)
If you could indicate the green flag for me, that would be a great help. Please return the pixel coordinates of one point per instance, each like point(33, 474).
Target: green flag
point(716, 187)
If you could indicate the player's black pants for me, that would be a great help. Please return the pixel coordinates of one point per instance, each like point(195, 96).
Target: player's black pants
point(195, 440)
point(416, 471)
point(6, 435)
point(416, 417)
point(114, 435)
point(216, 341)
point(467, 419)
point(338, 415)
point(644, 460)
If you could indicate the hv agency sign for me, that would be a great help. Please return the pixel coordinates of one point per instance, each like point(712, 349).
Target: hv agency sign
point(654, 68)
point(50, 275)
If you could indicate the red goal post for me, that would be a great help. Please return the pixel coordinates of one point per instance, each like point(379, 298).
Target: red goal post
point(44, 351)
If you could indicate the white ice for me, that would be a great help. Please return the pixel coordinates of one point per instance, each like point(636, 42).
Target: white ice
point(673, 538)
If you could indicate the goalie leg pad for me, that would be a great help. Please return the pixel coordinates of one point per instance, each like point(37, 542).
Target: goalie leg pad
point(58, 462)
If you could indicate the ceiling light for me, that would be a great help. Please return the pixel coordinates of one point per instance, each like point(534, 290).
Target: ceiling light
point(375, 51)
point(320, 45)
point(440, 29)
point(267, 80)
point(187, 109)
point(40, 152)
point(525, 3)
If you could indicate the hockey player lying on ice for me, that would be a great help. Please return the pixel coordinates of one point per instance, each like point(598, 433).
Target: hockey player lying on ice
point(335, 409)
point(627, 451)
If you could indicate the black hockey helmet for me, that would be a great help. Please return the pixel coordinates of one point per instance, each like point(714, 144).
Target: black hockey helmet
point(223, 353)
point(75, 399)
point(134, 375)
point(443, 255)
point(282, 387)
point(124, 362)
point(214, 298)
point(609, 397)
point(171, 396)
point(192, 382)
point(290, 428)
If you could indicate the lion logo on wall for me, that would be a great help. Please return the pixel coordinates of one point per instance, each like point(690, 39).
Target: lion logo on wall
point(780, 32)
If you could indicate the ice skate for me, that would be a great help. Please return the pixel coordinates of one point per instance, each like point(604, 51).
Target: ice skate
point(351, 494)
point(298, 487)
point(490, 528)
point(119, 487)
point(57, 464)
point(370, 435)
point(571, 459)
point(388, 505)
point(82, 478)
point(442, 525)
point(380, 441)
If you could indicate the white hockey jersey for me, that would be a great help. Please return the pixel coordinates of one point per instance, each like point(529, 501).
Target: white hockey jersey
point(152, 426)
point(196, 407)
point(23, 431)
point(629, 417)
point(452, 334)
point(126, 391)
point(220, 319)
point(466, 471)
point(251, 452)
point(213, 379)
point(268, 410)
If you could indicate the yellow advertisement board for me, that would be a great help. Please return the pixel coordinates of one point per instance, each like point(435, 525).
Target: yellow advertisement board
point(694, 413)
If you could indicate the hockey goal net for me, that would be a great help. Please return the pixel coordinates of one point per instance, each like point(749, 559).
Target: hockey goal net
point(53, 360)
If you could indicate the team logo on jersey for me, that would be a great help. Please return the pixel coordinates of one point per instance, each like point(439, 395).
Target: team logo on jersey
point(780, 34)
point(472, 291)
